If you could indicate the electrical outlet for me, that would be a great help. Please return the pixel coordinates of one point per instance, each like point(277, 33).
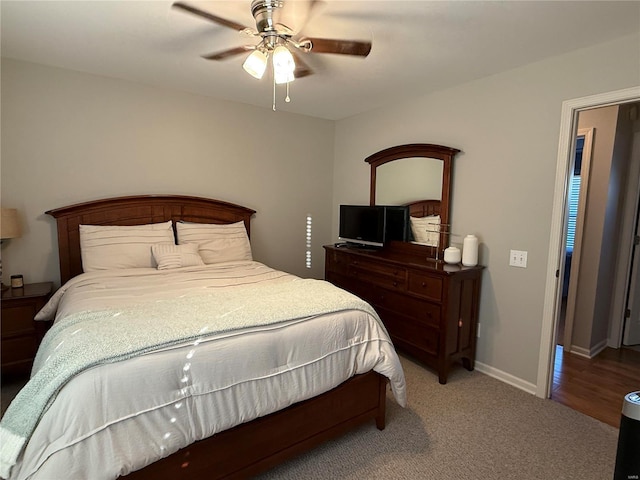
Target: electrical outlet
point(518, 258)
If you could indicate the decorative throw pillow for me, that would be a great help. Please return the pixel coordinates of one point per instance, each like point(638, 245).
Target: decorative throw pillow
point(426, 229)
point(176, 256)
point(111, 247)
point(216, 243)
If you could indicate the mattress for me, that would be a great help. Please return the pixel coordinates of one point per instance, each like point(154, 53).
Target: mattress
point(119, 416)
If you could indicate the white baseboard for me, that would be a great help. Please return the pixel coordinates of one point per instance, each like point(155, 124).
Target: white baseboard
point(581, 352)
point(595, 350)
point(589, 352)
point(506, 377)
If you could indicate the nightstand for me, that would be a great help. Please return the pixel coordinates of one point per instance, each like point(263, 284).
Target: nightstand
point(20, 334)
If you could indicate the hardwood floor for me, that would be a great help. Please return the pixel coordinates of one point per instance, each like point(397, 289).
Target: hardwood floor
point(597, 386)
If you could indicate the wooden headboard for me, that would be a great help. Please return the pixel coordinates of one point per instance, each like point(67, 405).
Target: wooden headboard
point(424, 208)
point(135, 210)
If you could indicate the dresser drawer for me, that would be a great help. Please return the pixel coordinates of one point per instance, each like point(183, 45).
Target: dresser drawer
point(418, 310)
point(18, 320)
point(348, 284)
point(19, 350)
point(387, 276)
point(427, 286)
point(406, 330)
point(337, 262)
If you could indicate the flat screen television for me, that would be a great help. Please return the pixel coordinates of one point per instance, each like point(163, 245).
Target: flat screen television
point(373, 226)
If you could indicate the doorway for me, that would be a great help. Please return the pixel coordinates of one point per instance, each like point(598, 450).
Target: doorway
point(555, 268)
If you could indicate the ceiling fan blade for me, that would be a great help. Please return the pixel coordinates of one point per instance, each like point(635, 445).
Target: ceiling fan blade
point(343, 47)
point(297, 14)
point(302, 69)
point(229, 53)
point(313, 4)
point(209, 16)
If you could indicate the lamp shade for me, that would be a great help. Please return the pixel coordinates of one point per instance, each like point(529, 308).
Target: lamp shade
point(283, 65)
point(256, 64)
point(9, 224)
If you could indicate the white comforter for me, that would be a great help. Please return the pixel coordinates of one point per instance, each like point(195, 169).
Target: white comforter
point(119, 417)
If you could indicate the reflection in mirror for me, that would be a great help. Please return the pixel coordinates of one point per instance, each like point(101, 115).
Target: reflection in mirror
point(409, 179)
point(418, 175)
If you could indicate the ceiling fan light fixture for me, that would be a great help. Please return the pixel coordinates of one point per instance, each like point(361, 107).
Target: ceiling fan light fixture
point(284, 77)
point(256, 64)
point(283, 65)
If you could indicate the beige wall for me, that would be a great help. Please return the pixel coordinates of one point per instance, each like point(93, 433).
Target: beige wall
point(69, 137)
point(507, 127)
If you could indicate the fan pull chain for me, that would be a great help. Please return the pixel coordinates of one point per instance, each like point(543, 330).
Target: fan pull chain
point(287, 99)
point(274, 93)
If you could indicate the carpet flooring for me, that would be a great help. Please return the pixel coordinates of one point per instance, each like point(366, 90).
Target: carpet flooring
point(474, 428)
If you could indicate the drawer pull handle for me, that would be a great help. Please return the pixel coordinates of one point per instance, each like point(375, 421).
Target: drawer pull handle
point(395, 284)
point(424, 284)
point(460, 323)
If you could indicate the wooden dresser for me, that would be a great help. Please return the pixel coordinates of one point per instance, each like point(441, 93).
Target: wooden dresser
point(429, 308)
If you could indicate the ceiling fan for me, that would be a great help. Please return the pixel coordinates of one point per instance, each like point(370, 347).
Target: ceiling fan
point(278, 41)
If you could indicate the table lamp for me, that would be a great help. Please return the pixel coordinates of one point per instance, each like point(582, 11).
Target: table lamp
point(9, 228)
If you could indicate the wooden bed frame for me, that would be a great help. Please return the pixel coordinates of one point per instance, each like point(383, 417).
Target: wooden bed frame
point(424, 208)
point(253, 447)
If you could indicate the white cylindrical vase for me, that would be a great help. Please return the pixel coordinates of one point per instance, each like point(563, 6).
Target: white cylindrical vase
point(470, 251)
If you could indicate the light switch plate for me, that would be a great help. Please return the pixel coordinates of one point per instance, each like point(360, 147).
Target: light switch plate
point(518, 258)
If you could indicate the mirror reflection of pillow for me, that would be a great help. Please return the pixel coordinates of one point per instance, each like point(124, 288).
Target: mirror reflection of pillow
point(176, 256)
point(425, 229)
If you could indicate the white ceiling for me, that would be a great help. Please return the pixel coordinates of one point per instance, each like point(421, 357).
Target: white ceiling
point(418, 46)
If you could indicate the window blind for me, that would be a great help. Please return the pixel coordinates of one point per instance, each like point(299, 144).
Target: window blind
point(574, 197)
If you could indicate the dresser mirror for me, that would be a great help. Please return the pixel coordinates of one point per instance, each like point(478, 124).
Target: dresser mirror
point(407, 180)
point(418, 175)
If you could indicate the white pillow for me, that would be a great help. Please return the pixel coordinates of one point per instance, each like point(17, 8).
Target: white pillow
point(175, 256)
point(425, 229)
point(216, 243)
point(111, 247)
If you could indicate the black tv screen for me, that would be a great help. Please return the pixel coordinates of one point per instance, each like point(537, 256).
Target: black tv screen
point(362, 224)
point(396, 223)
point(373, 225)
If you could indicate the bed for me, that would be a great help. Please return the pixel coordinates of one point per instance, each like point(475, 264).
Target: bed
point(234, 427)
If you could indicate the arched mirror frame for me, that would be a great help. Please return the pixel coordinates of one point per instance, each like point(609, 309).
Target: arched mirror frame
point(424, 150)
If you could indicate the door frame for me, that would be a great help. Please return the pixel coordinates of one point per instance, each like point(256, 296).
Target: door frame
point(555, 265)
